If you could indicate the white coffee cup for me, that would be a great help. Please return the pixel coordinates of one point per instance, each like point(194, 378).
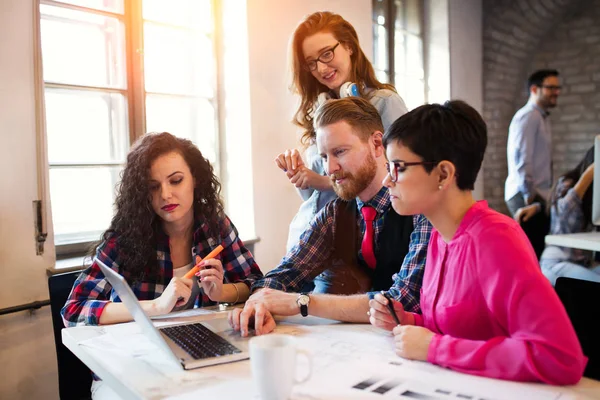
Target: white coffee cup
point(273, 359)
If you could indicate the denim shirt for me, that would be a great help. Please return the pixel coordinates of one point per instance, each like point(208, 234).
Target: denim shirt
point(390, 107)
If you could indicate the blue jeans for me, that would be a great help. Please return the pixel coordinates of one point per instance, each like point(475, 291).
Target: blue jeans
point(569, 269)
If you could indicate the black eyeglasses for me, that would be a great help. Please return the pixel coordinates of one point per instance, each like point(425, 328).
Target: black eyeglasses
point(325, 57)
point(552, 87)
point(400, 166)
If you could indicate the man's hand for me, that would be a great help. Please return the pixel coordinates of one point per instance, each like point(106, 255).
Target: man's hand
point(252, 315)
point(523, 214)
point(276, 302)
point(260, 308)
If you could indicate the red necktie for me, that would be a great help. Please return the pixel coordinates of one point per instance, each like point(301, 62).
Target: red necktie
point(368, 252)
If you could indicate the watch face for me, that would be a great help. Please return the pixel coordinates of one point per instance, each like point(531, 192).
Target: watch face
point(303, 300)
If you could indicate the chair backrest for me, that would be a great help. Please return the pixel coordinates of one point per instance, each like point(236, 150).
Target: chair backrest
point(74, 378)
point(581, 300)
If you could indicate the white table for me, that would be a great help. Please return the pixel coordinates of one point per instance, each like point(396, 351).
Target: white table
point(584, 240)
point(343, 355)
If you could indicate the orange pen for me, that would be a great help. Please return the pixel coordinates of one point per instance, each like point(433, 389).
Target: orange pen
point(210, 255)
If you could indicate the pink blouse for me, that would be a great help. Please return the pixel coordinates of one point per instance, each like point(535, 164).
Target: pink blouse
point(493, 312)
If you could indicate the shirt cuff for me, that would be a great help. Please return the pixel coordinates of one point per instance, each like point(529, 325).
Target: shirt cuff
point(433, 348)
point(267, 283)
point(418, 319)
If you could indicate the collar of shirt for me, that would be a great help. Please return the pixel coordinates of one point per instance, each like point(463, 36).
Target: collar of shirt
point(380, 202)
point(540, 109)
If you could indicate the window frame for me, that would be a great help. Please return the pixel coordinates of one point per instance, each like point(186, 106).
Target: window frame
point(390, 14)
point(135, 93)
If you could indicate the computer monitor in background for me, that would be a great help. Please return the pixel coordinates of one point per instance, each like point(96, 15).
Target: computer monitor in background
point(596, 197)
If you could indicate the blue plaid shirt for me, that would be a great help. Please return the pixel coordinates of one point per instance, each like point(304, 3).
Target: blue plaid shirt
point(316, 244)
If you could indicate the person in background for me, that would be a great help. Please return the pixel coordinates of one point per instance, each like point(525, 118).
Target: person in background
point(325, 54)
point(486, 309)
point(529, 154)
point(570, 212)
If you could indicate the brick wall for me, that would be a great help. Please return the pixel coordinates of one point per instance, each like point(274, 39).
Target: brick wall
point(520, 36)
point(574, 49)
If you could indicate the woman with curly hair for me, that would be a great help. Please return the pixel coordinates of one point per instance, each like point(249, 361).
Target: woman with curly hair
point(326, 55)
point(168, 213)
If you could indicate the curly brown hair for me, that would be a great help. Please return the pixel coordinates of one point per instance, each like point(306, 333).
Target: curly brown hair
point(305, 84)
point(135, 225)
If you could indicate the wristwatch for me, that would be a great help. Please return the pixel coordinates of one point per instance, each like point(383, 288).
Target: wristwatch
point(303, 301)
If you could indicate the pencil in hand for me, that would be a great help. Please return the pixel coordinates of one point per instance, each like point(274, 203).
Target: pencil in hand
point(210, 255)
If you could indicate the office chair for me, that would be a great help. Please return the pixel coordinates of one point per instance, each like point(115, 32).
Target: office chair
point(74, 378)
point(581, 300)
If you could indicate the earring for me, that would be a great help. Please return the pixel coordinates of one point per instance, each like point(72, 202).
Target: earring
point(440, 187)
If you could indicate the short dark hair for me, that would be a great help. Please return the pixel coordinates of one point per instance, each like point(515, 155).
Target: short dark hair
point(357, 112)
point(453, 132)
point(537, 78)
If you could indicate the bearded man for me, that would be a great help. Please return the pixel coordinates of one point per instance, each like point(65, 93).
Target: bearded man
point(356, 245)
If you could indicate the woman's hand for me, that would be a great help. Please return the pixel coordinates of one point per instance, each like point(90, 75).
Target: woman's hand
point(176, 294)
point(523, 214)
point(380, 315)
point(412, 342)
point(289, 162)
point(307, 178)
point(210, 278)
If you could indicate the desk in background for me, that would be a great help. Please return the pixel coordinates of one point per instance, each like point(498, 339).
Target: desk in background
point(584, 240)
point(343, 356)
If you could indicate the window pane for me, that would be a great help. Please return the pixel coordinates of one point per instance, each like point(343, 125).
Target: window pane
point(400, 15)
point(381, 47)
point(192, 13)
point(382, 76)
point(413, 16)
point(412, 91)
point(380, 10)
point(82, 48)
point(106, 5)
point(414, 56)
point(178, 61)
point(86, 126)
point(189, 118)
point(399, 53)
point(82, 202)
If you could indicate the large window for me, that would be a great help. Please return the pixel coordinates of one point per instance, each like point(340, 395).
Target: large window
point(398, 47)
point(113, 70)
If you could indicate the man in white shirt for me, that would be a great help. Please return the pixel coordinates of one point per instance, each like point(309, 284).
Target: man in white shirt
point(529, 153)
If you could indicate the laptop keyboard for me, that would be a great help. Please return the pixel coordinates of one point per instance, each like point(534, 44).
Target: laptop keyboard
point(199, 341)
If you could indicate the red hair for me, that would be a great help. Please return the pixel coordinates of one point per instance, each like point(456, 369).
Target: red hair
point(306, 85)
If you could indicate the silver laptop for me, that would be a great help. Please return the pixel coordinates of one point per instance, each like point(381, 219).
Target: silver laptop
point(191, 344)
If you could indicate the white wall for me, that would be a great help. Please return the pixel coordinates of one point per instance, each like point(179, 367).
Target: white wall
point(454, 47)
point(23, 338)
point(270, 24)
point(466, 59)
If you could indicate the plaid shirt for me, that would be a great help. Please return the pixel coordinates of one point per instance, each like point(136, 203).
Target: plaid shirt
point(91, 292)
point(316, 244)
